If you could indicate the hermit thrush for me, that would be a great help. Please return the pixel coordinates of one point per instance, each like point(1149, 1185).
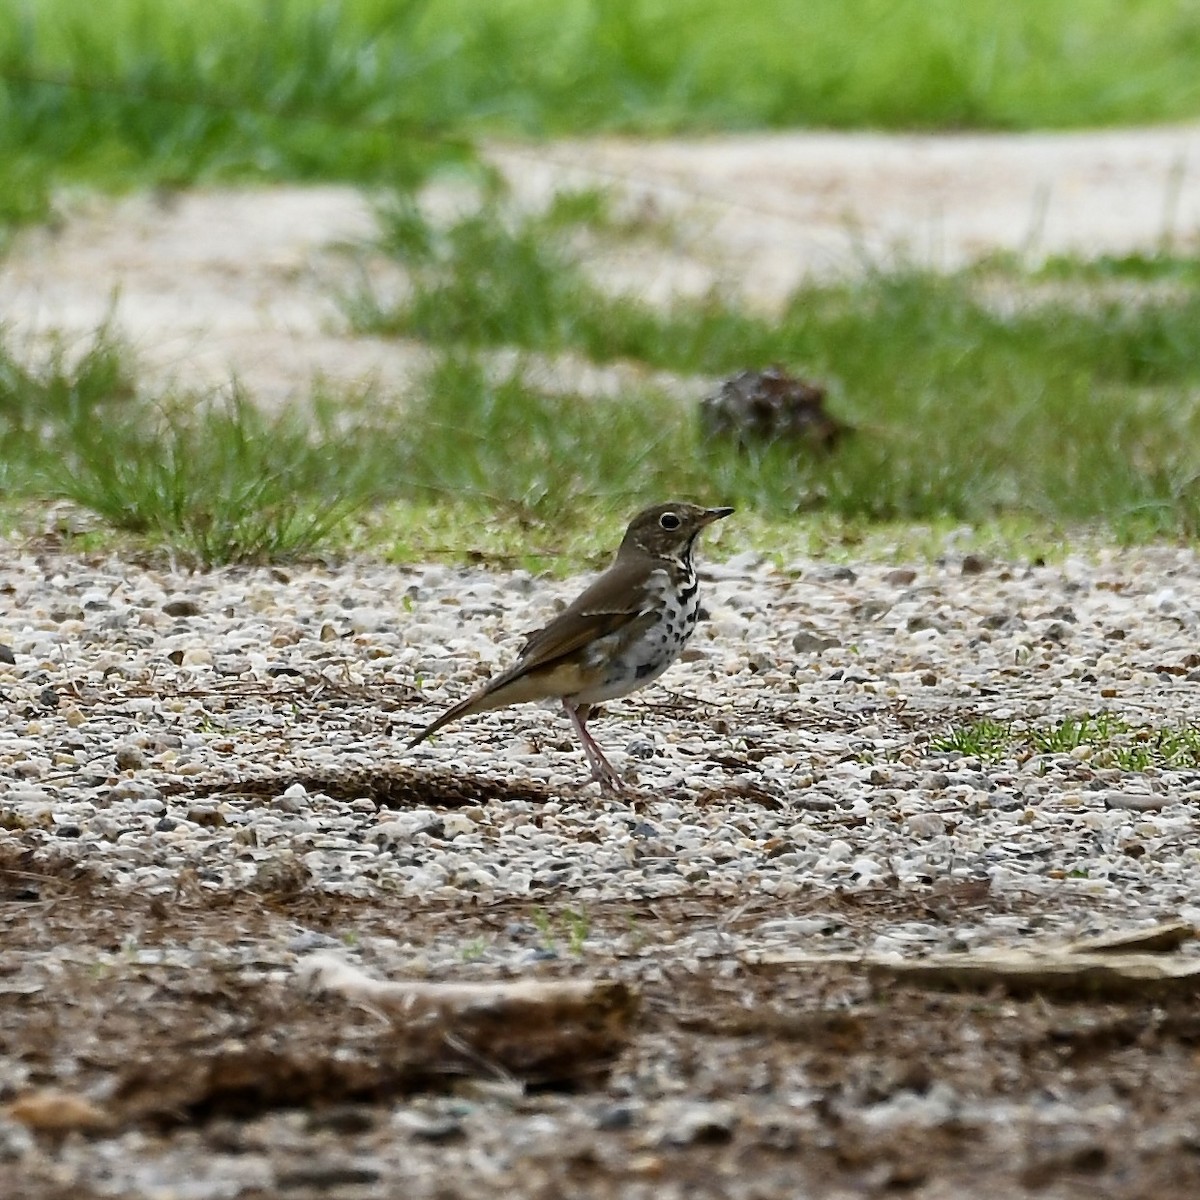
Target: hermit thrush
point(620, 634)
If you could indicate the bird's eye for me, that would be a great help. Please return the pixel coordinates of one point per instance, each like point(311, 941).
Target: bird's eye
point(669, 521)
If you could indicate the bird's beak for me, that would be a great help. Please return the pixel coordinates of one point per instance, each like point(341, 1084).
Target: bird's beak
point(714, 514)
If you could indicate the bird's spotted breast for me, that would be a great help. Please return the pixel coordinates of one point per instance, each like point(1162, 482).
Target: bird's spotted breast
point(673, 596)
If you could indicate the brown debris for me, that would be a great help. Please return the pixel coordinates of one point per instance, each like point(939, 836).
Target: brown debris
point(1103, 968)
point(1158, 939)
point(1065, 977)
point(555, 1029)
point(344, 1037)
point(394, 785)
point(54, 1111)
point(757, 408)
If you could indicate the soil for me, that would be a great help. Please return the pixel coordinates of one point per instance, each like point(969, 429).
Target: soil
point(737, 1080)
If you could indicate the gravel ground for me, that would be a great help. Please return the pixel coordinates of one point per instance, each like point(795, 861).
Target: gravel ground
point(202, 780)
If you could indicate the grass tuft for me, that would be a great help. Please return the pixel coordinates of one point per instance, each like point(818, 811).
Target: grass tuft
point(1107, 739)
point(219, 484)
point(67, 399)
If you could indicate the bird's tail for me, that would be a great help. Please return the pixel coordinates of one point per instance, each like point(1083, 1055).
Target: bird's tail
point(462, 709)
point(515, 686)
point(477, 702)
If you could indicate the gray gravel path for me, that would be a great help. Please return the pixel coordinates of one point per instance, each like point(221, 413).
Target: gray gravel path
point(791, 750)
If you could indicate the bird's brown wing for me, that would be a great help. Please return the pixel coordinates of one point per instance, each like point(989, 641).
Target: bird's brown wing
point(617, 599)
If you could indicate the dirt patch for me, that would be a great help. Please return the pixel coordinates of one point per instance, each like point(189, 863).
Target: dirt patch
point(178, 1031)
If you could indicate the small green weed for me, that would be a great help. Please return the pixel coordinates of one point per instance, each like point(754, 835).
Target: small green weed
point(571, 926)
point(1110, 741)
point(473, 950)
point(985, 739)
point(1072, 732)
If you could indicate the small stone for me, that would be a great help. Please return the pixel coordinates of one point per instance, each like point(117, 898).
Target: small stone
point(641, 748)
point(839, 850)
point(929, 679)
point(325, 1176)
point(616, 1116)
point(181, 608)
point(1134, 801)
point(871, 610)
point(130, 758)
point(922, 621)
point(15, 1140)
point(283, 874)
point(1002, 620)
point(209, 818)
point(835, 574)
point(809, 642)
point(698, 1124)
point(7, 655)
point(429, 1127)
point(974, 564)
point(900, 577)
point(343, 1118)
point(48, 698)
point(925, 824)
point(456, 825)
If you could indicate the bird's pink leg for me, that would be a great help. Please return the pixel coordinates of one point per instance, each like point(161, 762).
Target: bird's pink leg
point(602, 770)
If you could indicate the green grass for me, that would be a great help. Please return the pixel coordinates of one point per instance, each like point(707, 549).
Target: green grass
point(571, 926)
point(62, 403)
point(1053, 415)
point(217, 482)
point(1075, 409)
point(1109, 739)
point(135, 92)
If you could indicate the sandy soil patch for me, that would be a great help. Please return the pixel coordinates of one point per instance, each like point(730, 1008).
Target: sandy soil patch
point(210, 283)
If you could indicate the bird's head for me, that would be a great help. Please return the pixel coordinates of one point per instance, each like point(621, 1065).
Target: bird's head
point(668, 530)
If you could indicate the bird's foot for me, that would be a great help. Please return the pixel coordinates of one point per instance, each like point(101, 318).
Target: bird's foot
point(606, 776)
